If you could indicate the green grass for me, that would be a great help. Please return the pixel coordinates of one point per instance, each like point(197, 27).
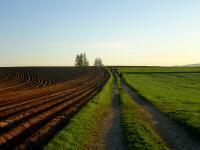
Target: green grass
point(138, 132)
point(77, 134)
point(119, 84)
point(176, 94)
point(139, 70)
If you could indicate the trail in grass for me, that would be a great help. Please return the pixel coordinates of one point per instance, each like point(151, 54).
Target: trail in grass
point(109, 134)
point(174, 135)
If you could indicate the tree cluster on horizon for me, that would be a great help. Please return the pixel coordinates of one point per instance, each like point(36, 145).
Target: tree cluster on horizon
point(81, 60)
point(98, 62)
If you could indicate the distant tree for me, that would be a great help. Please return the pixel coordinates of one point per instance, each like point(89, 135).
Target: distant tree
point(77, 60)
point(85, 61)
point(98, 62)
point(81, 60)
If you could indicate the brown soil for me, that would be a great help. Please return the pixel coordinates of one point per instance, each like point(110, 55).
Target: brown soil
point(37, 110)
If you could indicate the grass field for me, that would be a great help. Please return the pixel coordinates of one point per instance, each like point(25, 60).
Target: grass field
point(175, 91)
point(80, 129)
point(139, 70)
point(138, 131)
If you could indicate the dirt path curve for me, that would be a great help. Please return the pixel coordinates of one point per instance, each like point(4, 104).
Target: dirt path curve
point(174, 135)
point(109, 135)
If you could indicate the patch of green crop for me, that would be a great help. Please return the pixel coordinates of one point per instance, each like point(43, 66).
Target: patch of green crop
point(176, 94)
point(149, 70)
point(138, 132)
point(76, 135)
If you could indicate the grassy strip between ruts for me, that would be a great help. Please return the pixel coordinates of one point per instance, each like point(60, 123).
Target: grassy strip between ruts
point(138, 131)
point(76, 135)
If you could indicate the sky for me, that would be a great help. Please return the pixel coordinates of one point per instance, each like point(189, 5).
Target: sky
point(120, 32)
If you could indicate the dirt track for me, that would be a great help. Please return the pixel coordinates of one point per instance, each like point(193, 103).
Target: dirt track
point(109, 133)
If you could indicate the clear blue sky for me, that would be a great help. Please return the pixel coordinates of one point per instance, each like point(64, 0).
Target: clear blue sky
point(121, 32)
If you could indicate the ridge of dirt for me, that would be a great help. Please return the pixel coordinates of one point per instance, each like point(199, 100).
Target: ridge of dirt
point(109, 133)
point(176, 138)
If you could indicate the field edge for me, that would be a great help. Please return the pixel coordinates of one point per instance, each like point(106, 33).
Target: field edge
point(77, 134)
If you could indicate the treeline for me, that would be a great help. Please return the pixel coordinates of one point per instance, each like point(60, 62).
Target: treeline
point(81, 60)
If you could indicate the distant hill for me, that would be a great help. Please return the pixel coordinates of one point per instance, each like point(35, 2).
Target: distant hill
point(192, 65)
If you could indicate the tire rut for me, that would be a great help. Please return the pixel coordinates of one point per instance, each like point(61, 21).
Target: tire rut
point(114, 136)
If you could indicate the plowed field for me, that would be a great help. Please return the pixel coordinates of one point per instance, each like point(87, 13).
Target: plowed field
point(37, 102)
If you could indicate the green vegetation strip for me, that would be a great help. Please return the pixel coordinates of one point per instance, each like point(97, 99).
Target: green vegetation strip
point(138, 131)
point(153, 70)
point(76, 135)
